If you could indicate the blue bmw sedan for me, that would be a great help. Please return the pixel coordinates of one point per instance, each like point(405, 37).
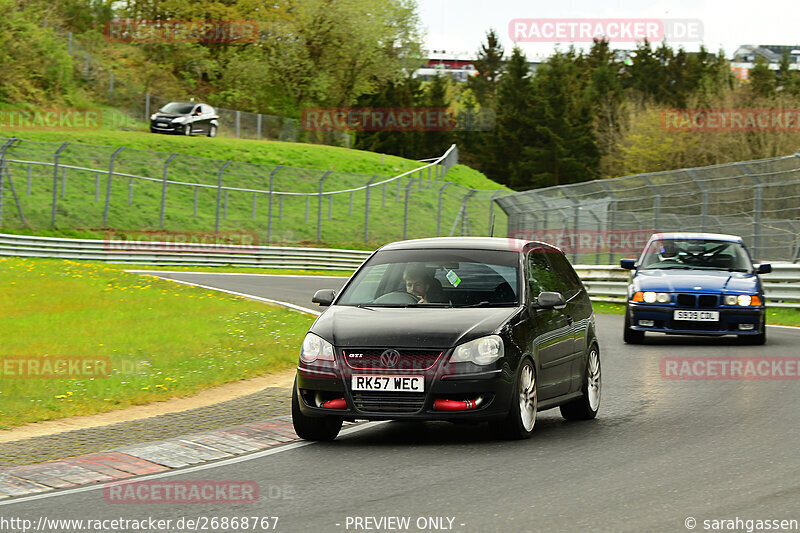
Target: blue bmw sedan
point(695, 284)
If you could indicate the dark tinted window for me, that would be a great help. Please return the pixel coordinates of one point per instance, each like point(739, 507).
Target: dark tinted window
point(177, 107)
point(568, 282)
point(540, 274)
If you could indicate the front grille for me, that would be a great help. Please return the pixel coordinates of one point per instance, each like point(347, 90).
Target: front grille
point(687, 300)
point(408, 360)
point(707, 300)
point(388, 402)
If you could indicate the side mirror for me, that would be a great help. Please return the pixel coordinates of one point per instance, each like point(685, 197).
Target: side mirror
point(551, 300)
point(324, 297)
point(764, 268)
point(627, 264)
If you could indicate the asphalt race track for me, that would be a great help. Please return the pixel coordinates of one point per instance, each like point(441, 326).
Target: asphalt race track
point(661, 453)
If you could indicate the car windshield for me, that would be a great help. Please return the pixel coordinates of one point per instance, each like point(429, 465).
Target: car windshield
point(177, 107)
point(696, 254)
point(436, 278)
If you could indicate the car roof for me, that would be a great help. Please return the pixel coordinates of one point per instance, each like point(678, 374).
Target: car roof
point(474, 243)
point(701, 236)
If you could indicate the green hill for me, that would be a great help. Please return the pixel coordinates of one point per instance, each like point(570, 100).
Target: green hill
point(134, 204)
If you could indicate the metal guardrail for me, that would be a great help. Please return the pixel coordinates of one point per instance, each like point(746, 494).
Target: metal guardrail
point(188, 254)
point(605, 283)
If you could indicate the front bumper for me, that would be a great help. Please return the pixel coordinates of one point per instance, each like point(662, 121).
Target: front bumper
point(494, 386)
point(157, 126)
point(663, 322)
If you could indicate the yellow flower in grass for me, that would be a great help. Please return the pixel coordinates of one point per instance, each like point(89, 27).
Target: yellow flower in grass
point(61, 396)
point(146, 388)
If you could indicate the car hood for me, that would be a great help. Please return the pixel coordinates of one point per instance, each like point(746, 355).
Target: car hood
point(169, 115)
point(688, 280)
point(346, 326)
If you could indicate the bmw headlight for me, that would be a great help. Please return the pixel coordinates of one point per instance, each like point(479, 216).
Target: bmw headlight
point(179, 120)
point(743, 300)
point(651, 297)
point(315, 348)
point(481, 351)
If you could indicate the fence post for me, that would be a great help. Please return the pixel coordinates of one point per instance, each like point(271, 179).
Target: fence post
point(308, 201)
point(258, 127)
point(366, 207)
point(757, 221)
point(269, 208)
point(63, 183)
point(405, 209)
point(147, 107)
point(439, 216)
point(330, 205)
point(29, 179)
point(491, 212)
point(225, 206)
point(3, 164)
point(656, 212)
point(111, 87)
point(219, 193)
point(69, 43)
point(280, 206)
point(108, 185)
point(238, 118)
point(194, 211)
point(254, 207)
point(55, 184)
point(319, 206)
point(351, 204)
point(164, 190)
point(130, 191)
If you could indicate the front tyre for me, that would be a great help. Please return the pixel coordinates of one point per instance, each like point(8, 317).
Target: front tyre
point(212, 131)
point(521, 418)
point(187, 130)
point(324, 428)
point(585, 407)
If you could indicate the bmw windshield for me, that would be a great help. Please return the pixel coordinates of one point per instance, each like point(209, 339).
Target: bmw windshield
point(436, 278)
point(696, 254)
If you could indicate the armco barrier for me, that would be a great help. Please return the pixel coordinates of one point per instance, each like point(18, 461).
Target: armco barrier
point(605, 283)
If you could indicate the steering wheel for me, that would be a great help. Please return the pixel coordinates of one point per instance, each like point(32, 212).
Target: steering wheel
point(397, 297)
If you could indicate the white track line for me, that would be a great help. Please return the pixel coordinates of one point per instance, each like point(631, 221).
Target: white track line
point(244, 295)
point(181, 471)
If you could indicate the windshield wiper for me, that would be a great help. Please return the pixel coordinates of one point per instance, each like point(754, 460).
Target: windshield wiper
point(485, 303)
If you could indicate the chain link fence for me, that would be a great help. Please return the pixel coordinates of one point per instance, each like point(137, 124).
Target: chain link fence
point(77, 186)
point(600, 221)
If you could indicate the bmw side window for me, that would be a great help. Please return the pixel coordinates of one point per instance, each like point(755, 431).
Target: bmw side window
point(540, 274)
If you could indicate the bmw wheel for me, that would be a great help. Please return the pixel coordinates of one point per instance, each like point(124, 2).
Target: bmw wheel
point(313, 428)
point(585, 407)
point(521, 418)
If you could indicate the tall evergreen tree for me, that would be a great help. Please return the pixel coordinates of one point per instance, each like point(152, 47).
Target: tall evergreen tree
point(489, 65)
point(762, 79)
point(564, 148)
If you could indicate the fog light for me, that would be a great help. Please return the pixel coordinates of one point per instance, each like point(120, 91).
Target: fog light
point(747, 327)
point(646, 323)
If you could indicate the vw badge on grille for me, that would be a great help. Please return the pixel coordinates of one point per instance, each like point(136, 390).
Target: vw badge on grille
point(389, 358)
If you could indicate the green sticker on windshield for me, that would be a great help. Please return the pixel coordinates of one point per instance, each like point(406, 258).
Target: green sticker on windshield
point(453, 278)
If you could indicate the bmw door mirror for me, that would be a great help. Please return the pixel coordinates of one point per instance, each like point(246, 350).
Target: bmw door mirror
point(550, 300)
point(764, 268)
point(324, 297)
point(627, 264)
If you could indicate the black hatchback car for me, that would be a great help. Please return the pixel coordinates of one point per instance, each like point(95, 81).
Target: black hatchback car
point(185, 118)
point(458, 329)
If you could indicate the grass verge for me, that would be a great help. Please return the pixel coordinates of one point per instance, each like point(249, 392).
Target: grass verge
point(162, 339)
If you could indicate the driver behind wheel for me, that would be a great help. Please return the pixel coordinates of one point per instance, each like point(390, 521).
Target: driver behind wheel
point(421, 283)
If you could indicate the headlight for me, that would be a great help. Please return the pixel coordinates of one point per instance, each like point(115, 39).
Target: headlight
point(480, 351)
point(179, 120)
point(153, 116)
point(652, 297)
point(315, 347)
point(744, 300)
